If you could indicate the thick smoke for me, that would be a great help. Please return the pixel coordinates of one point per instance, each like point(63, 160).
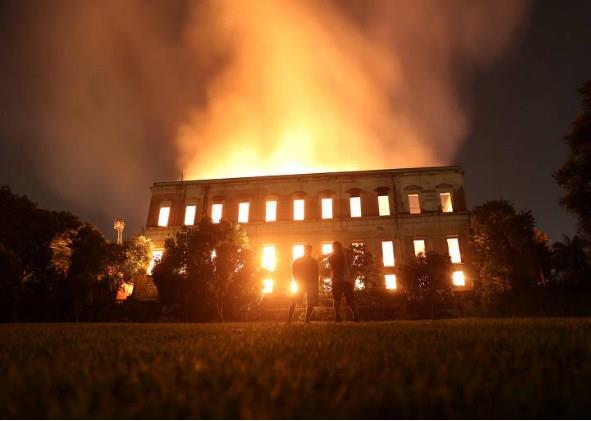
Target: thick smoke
point(107, 97)
point(333, 86)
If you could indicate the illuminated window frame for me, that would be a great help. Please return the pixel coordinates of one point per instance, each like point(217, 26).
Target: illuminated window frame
point(297, 250)
point(163, 215)
point(190, 214)
point(384, 205)
point(243, 212)
point(326, 207)
point(420, 248)
point(269, 257)
point(458, 278)
point(414, 203)
point(388, 258)
point(217, 210)
point(446, 202)
point(271, 211)
point(453, 249)
point(390, 281)
point(326, 248)
point(299, 209)
point(355, 206)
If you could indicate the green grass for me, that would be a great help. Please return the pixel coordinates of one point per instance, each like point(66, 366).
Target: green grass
point(536, 368)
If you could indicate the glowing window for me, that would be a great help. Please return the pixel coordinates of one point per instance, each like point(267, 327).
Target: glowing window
point(453, 247)
point(388, 253)
point(326, 208)
point(216, 212)
point(156, 256)
point(269, 258)
point(446, 205)
point(390, 281)
point(267, 286)
point(271, 211)
point(243, 209)
point(298, 210)
point(383, 205)
point(355, 203)
point(413, 204)
point(419, 246)
point(326, 248)
point(457, 278)
point(298, 251)
point(163, 216)
point(190, 212)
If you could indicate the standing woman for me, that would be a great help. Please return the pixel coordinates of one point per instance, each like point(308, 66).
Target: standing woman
point(342, 284)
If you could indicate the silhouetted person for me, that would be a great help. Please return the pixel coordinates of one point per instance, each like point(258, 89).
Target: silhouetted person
point(342, 283)
point(305, 272)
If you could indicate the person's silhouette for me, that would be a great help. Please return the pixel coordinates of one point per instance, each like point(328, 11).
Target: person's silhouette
point(305, 274)
point(342, 284)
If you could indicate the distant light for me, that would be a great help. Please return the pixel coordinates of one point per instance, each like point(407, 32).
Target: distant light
point(458, 278)
point(163, 216)
point(359, 284)
point(326, 248)
point(293, 287)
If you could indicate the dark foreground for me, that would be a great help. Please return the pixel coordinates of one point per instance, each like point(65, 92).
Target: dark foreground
point(461, 368)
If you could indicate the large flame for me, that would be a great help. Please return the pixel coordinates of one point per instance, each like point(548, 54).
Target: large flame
point(310, 86)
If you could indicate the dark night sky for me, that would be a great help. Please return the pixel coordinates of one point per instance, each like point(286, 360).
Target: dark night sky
point(521, 108)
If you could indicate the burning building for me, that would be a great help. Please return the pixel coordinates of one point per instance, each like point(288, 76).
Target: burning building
point(396, 214)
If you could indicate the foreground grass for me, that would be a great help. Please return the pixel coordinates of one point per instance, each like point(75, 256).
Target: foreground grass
point(463, 368)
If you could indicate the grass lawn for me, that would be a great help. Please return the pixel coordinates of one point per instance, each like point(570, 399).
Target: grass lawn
point(536, 368)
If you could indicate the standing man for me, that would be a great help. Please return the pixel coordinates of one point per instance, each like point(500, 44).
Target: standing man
point(342, 283)
point(305, 272)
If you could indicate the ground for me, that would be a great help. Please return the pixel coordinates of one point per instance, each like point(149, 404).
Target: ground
point(533, 368)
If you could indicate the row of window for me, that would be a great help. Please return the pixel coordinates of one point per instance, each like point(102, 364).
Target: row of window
point(269, 260)
point(299, 209)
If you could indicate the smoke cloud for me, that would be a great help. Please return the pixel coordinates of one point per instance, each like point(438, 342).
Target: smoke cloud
point(106, 97)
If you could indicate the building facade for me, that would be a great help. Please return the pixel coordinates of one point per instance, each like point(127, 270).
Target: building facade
point(396, 214)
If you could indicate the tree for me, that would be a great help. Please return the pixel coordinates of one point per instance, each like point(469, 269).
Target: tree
point(207, 269)
point(364, 267)
point(570, 262)
point(510, 253)
point(575, 173)
point(427, 281)
point(10, 277)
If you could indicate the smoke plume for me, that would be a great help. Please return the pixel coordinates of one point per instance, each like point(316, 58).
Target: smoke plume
point(106, 97)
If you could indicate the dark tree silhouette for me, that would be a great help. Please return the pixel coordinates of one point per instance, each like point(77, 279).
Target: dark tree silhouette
point(575, 173)
point(207, 270)
point(510, 253)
